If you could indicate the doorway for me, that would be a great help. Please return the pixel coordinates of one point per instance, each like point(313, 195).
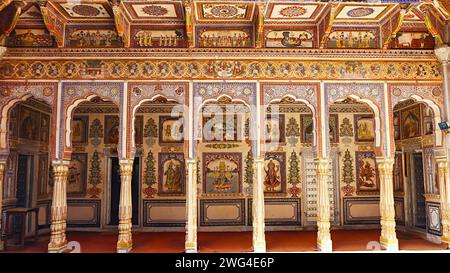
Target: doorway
point(417, 192)
point(24, 176)
point(115, 191)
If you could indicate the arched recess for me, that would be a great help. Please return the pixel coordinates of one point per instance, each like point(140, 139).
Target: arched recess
point(16, 92)
point(74, 93)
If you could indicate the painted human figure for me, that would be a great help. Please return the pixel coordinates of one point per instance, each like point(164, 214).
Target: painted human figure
point(367, 173)
point(272, 179)
point(172, 177)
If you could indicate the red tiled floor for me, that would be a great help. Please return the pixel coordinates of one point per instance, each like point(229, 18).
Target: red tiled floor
point(277, 241)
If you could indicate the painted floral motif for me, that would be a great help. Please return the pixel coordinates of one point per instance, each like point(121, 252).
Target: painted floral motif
point(224, 11)
point(294, 177)
point(348, 177)
point(360, 12)
point(85, 10)
point(346, 129)
point(248, 178)
point(293, 11)
point(155, 10)
point(150, 175)
point(95, 177)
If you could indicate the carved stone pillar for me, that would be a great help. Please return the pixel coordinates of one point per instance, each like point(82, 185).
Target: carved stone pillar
point(191, 207)
point(58, 242)
point(259, 238)
point(2, 176)
point(125, 242)
point(324, 242)
point(388, 239)
point(444, 185)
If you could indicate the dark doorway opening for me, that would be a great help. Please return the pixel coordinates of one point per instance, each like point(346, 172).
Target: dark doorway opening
point(418, 192)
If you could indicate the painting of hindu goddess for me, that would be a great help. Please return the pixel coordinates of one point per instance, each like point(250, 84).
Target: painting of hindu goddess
point(222, 173)
point(411, 120)
point(170, 129)
point(413, 40)
point(111, 130)
point(275, 173)
point(76, 181)
point(45, 127)
point(308, 128)
point(171, 174)
point(29, 123)
point(224, 38)
point(365, 128)
point(80, 129)
point(352, 39)
point(139, 130)
point(366, 173)
point(275, 129)
point(93, 38)
point(289, 38)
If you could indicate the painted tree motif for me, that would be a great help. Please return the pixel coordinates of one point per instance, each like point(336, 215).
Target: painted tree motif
point(96, 132)
point(150, 175)
point(150, 131)
point(348, 176)
point(95, 175)
point(346, 129)
point(294, 174)
point(248, 178)
point(293, 131)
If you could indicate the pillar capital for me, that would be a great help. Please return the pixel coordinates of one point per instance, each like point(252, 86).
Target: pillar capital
point(443, 54)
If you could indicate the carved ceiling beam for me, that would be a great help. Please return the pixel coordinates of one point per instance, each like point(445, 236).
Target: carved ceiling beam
point(8, 19)
point(189, 21)
point(395, 29)
point(4, 3)
point(429, 24)
point(329, 27)
point(260, 24)
point(438, 5)
point(53, 23)
point(121, 22)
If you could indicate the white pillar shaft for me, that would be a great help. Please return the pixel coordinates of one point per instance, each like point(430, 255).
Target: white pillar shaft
point(125, 242)
point(444, 186)
point(324, 242)
point(58, 240)
point(191, 208)
point(259, 240)
point(388, 237)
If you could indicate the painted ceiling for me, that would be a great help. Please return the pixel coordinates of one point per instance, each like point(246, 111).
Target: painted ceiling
point(227, 24)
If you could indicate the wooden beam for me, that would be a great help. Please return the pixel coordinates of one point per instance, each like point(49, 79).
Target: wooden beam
point(189, 21)
point(4, 4)
point(396, 28)
point(429, 24)
point(8, 20)
point(121, 23)
point(260, 25)
point(54, 25)
point(334, 7)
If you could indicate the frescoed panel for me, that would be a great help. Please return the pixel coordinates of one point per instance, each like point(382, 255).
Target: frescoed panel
point(222, 173)
point(156, 10)
point(289, 38)
point(219, 127)
point(360, 12)
point(364, 128)
point(30, 38)
point(366, 173)
point(275, 172)
point(413, 40)
point(89, 37)
point(45, 128)
point(29, 123)
point(352, 39)
point(159, 38)
point(139, 130)
point(76, 180)
point(291, 11)
point(111, 130)
point(222, 37)
point(170, 129)
point(411, 122)
point(91, 11)
point(224, 11)
point(80, 129)
point(275, 129)
point(171, 174)
point(308, 128)
point(428, 123)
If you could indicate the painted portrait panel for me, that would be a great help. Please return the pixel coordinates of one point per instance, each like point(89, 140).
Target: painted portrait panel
point(93, 38)
point(111, 130)
point(29, 123)
point(413, 40)
point(139, 130)
point(366, 173)
point(411, 122)
point(308, 128)
point(219, 127)
point(275, 129)
point(275, 173)
point(365, 128)
point(289, 38)
point(76, 181)
point(171, 174)
point(219, 37)
point(170, 129)
point(45, 128)
point(80, 129)
point(352, 39)
point(159, 38)
point(222, 173)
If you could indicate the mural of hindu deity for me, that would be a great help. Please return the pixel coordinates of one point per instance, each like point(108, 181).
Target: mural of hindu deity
point(275, 173)
point(411, 122)
point(365, 128)
point(224, 38)
point(159, 38)
point(170, 129)
point(289, 38)
point(171, 174)
point(413, 40)
point(80, 129)
point(76, 181)
point(366, 172)
point(93, 38)
point(29, 123)
point(222, 173)
point(352, 39)
point(111, 130)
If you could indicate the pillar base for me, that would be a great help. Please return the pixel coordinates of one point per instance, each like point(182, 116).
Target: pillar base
point(325, 246)
point(54, 248)
point(190, 247)
point(259, 247)
point(124, 247)
point(389, 244)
